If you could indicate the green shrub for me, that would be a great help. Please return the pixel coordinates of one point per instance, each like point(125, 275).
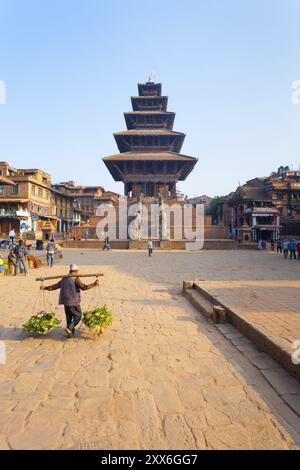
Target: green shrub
point(42, 323)
point(98, 319)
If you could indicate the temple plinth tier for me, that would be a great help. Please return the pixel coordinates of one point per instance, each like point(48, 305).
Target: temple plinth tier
point(149, 161)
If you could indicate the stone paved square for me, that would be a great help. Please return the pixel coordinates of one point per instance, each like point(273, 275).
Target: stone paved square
point(162, 377)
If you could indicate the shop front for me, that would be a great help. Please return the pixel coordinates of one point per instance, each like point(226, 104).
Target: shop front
point(265, 224)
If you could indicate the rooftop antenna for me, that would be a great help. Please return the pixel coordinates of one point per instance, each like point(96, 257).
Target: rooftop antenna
point(152, 77)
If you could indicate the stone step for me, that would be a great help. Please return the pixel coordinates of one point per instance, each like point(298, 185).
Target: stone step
point(200, 302)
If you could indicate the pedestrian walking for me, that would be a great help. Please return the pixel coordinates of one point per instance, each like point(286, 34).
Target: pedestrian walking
point(279, 246)
point(106, 245)
point(50, 253)
point(20, 252)
point(285, 248)
point(272, 244)
point(292, 248)
point(150, 247)
point(86, 233)
point(12, 235)
point(69, 297)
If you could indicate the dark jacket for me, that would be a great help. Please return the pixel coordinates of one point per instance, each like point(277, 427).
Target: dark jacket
point(70, 288)
point(20, 251)
point(292, 245)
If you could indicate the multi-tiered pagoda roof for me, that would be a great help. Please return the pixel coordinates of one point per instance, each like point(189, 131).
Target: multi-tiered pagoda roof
point(149, 161)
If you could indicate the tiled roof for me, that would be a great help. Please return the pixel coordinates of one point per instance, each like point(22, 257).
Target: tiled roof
point(257, 194)
point(148, 132)
point(148, 111)
point(148, 156)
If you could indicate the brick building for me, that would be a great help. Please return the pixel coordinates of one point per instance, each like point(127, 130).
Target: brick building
point(253, 215)
point(62, 208)
point(25, 200)
point(83, 197)
point(31, 205)
point(284, 186)
point(224, 211)
point(264, 208)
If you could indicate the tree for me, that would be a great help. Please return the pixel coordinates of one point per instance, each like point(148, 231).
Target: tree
point(213, 209)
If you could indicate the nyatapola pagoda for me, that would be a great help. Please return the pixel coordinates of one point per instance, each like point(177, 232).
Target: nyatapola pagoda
point(149, 162)
point(150, 165)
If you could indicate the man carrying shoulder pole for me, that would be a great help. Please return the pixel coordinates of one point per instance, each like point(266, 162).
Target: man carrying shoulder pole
point(70, 287)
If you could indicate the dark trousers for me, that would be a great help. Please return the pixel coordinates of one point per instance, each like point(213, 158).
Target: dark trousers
point(50, 260)
point(150, 250)
point(279, 249)
point(73, 316)
point(21, 261)
point(285, 252)
point(293, 254)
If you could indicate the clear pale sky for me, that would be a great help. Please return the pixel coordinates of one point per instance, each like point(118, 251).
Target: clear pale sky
point(227, 66)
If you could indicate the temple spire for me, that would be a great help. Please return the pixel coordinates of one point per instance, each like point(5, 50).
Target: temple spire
point(152, 77)
point(149, 161)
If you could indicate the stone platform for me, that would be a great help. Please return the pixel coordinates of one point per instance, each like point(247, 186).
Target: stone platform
point(210, 244)
point(266, 312)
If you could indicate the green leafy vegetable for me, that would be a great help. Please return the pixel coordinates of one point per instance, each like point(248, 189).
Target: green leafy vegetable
point(42, 323)
point(98, 319)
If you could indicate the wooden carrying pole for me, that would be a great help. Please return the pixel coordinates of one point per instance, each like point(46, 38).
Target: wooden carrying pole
point(47, 278)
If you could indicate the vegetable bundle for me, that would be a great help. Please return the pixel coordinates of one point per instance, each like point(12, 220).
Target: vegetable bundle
point(42, 323)
point(98, 319)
